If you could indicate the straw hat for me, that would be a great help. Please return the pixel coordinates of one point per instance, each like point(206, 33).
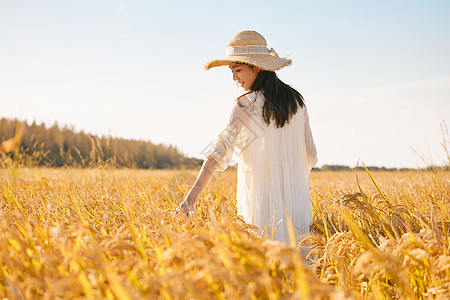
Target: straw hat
point(248, 46)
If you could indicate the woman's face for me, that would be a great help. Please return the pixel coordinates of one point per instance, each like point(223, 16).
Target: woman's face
point(244, 75)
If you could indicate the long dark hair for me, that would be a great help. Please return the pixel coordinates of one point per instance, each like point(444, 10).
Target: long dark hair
point(282, 100)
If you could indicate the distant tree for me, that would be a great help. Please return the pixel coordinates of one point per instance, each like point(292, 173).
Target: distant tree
point(56, 146)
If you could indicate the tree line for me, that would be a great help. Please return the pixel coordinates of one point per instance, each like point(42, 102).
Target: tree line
point(58, 146)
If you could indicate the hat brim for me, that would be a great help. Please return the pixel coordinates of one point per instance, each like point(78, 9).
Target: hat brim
point(264, 62)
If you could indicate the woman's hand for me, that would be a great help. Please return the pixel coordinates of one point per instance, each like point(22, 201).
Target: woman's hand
point(185, 207)
point(206, 172)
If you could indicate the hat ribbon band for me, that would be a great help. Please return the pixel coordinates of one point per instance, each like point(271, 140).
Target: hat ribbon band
point(251, 49)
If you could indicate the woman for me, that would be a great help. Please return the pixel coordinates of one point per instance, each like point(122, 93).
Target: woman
point(269, 124)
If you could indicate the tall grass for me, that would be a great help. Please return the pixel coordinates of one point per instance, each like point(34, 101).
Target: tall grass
point(103, 233)
point(388, 238)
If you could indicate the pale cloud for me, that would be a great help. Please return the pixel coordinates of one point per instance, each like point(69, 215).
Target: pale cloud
point(33, 63)
point(121, 8)
point(75, 86)
point(428, 83)
point(436, 82)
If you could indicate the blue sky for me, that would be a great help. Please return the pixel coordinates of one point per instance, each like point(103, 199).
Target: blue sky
point(375, 74)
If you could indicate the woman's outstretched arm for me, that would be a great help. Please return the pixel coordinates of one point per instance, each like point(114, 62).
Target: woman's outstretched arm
point(203, 178)
point(219, 157)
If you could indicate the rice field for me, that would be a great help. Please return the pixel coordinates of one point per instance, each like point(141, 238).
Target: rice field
point(110, 234)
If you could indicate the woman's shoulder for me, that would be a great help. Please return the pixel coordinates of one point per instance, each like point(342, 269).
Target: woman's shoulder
point(251, 99)
point(246, 100)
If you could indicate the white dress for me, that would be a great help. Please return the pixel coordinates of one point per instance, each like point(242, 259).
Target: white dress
point(274, 167)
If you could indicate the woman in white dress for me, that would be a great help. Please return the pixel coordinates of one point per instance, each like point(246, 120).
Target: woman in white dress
point(269, 124)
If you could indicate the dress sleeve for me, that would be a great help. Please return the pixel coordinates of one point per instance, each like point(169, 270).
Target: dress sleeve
point(223, 147)
point(310, 146)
